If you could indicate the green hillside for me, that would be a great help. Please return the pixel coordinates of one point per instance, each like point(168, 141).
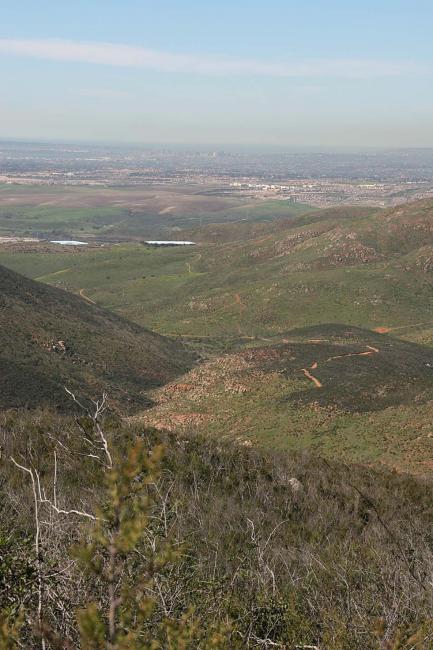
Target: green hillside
point(356, 266)
point(51, 339)
point(350, 290)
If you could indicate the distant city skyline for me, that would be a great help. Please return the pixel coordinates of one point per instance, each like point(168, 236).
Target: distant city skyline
point(285, 74)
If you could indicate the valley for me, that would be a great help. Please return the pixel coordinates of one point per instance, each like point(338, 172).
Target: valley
point(216, 325)
point(312, 331)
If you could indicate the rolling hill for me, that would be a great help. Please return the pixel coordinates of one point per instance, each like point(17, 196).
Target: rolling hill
point(340, 391)
point(358, 266)
point(319, 328)
point(51, 339)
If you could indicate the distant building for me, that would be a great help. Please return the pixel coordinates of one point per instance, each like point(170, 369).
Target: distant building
point(157, 242)
point(69, 242)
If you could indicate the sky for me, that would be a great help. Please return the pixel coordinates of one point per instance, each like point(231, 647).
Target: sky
point(275, 73)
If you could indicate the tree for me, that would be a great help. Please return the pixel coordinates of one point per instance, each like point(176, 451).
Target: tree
point(123, 620)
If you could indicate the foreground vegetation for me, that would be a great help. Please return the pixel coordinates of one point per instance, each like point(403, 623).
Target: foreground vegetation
point(199, 544)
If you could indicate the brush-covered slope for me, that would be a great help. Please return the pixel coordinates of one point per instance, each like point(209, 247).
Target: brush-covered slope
point(289, 548)
point(50, 339)
point(366, 268)
point(343, 391)
point(358, 266)
point(244, 230)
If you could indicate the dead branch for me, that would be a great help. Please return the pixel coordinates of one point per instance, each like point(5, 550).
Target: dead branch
point(95, 416)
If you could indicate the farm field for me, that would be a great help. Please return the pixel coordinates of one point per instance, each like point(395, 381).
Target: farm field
point(116, 214)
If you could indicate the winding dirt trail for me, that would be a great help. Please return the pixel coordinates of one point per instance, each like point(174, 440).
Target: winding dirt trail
point(83, 295)
point(367, 353)
point(385, 330)
point(314, 379)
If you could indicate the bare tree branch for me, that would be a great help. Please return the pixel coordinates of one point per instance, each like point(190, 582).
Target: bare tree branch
point(95, 416)
point(37, 544)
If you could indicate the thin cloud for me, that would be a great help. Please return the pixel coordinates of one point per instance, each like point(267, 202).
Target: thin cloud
point(140, 57)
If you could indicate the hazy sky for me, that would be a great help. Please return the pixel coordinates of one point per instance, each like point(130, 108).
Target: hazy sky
point(274, 72)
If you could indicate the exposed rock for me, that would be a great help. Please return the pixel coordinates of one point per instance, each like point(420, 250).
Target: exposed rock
point(295, 484)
